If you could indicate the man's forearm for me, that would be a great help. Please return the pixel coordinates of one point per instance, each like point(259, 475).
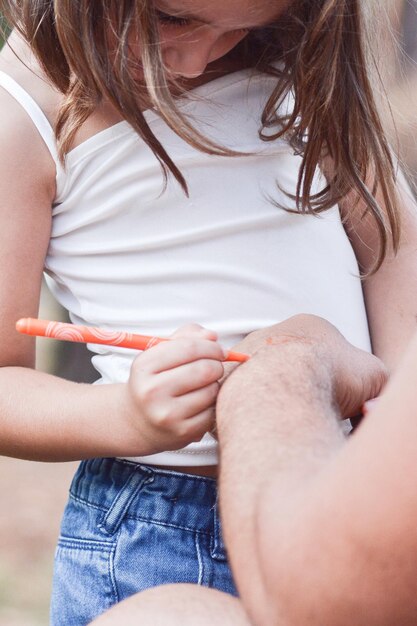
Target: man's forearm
point(318, 531)
point(276, 419)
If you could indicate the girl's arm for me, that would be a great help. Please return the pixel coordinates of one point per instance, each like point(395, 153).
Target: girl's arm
point(391, 293)
point(169, 399)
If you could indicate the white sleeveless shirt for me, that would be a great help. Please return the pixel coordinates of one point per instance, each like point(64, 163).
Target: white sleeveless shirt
point(126, 254)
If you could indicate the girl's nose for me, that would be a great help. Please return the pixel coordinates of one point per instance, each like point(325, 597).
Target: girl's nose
point(189, 57)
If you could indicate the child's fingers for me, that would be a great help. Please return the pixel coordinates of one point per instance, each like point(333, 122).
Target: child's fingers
point(200, 424)
point(170, 354)
point(190, 330)
point(192, 404)
point(189, 377)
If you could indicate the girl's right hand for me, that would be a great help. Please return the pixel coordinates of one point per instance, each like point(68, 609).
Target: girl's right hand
point(173, 387)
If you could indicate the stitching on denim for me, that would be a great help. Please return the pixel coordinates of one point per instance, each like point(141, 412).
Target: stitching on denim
point(134, 484)
point(112, 574)
point(217, 548)
point(85, 544)
point(105, 547)
point(160, 472)
point(86, 502)
point(200, 561)
point(144, 519)
point(168, 525)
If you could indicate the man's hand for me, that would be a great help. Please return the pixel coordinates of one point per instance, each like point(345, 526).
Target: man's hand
point(355, 375)
point(278, 424)
point(319, 529)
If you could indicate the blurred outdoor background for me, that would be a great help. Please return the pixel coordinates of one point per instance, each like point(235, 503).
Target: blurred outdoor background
point(33, 495)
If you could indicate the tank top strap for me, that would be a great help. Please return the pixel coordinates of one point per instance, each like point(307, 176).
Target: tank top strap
point(34, 111)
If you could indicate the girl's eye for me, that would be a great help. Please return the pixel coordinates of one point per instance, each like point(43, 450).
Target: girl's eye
point(171, 20)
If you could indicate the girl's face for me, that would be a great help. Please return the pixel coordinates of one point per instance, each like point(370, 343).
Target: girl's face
point(195, 33)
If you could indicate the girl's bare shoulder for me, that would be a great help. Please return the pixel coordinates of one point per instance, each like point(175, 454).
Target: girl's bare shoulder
point(17, 130)
point(18, 61)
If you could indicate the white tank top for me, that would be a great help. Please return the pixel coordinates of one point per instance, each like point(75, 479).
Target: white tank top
point(126, 254)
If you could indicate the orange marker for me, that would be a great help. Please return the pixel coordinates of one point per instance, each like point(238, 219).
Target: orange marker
point(90, 334)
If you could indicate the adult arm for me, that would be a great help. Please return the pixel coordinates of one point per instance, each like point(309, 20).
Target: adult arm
point(319, 530)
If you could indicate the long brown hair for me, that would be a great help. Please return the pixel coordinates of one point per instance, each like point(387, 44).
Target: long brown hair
point(321, 46)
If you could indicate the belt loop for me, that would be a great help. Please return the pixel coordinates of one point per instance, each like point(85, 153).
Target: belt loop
point(218, 549)
point(124, 497)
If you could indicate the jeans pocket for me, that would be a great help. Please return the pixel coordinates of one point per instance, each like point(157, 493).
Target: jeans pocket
point(84, 584)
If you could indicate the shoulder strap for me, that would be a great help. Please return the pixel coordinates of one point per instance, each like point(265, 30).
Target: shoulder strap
point(33, 110)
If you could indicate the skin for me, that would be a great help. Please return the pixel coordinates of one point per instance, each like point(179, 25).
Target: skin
point(319, 529)
point(168, 401)
point(58, 420)
point(177, 605)
point(339, 515)
point(25, 220)
point(391, 306)
point(195, 34)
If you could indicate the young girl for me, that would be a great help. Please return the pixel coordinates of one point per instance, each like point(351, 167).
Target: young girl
point(133, 173)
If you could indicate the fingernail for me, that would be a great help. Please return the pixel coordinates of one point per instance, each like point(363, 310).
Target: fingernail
point(369, 405)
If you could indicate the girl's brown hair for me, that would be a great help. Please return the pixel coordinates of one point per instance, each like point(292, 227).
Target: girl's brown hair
point(321, 46)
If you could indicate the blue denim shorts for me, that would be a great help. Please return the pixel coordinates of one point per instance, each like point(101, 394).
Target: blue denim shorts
point(128, 527)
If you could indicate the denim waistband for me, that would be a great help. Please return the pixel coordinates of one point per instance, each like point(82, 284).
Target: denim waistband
point(147, 493)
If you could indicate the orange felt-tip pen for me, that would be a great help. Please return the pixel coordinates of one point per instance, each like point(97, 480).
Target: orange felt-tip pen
point(91, 334)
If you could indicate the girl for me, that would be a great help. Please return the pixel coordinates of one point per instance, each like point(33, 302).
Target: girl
point(151, 200)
